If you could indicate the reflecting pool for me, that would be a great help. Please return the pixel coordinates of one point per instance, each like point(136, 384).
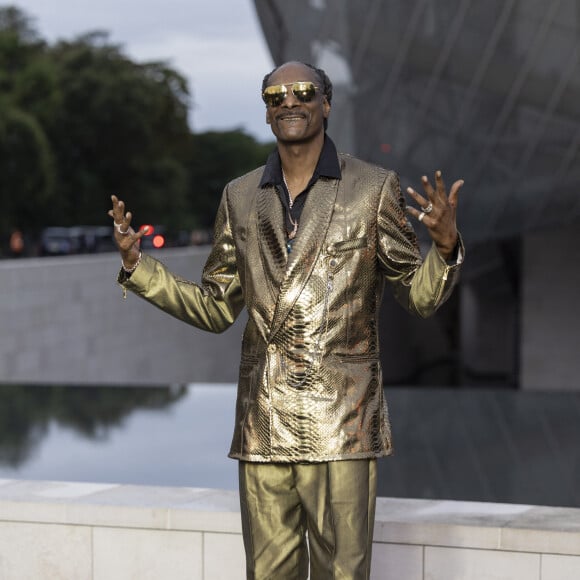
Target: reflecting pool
point(176, 436)
point(465, 444)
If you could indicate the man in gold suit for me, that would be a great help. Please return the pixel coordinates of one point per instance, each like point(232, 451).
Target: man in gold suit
point(306, 244)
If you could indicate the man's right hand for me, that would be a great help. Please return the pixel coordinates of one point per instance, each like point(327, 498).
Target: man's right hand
point(127, 240)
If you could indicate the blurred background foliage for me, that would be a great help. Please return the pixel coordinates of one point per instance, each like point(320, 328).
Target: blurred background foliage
point(80, 121)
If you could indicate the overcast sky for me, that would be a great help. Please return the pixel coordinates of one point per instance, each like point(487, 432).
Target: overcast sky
point(216, 44)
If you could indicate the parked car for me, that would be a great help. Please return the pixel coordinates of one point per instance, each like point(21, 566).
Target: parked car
point(57, 241)
point(97, 239)
point(62, 241)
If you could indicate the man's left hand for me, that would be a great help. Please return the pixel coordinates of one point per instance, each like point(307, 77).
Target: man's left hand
point(437, 211)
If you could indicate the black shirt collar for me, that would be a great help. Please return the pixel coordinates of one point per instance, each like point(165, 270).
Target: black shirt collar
point(327, 166)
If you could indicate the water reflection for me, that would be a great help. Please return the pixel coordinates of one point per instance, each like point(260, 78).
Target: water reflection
point(151, 435)
point(473, 445)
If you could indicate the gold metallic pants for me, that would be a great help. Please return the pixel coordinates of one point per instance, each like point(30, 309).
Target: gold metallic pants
point(333, 503)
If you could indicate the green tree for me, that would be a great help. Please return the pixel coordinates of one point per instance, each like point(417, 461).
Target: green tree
point(26, 162)
point(26, 169)
point(122, 128)
point(79, 121)
point(214, 159)
point(19, 45)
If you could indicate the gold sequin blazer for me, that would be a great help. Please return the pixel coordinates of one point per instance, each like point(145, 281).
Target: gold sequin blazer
point(310, 385)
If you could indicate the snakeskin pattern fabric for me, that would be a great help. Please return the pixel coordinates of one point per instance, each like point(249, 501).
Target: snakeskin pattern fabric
point(310, 384)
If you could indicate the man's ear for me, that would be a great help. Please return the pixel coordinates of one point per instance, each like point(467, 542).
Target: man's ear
point(326, 108)
point(268, 122)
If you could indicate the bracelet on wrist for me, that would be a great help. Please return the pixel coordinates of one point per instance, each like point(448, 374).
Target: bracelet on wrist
point(132, 268)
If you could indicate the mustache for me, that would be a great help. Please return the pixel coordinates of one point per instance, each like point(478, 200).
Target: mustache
point(286, 114)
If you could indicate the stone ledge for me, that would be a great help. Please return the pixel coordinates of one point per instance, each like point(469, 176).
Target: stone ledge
point(489, 526)
point(127, 506)
point(479, 525)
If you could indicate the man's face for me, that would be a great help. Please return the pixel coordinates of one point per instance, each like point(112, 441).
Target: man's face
point(294, 121)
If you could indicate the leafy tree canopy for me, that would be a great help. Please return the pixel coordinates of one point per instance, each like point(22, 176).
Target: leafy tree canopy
point(79, 121)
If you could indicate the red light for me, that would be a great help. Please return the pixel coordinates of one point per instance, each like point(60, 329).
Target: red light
point(149, 227)
point(386, 147)
point(158, 241)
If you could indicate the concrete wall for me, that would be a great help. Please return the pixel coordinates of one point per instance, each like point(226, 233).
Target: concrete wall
point(85, 531)
point(65, 320)
point(550, 310)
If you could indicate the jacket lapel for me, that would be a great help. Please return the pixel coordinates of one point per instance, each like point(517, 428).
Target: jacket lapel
point(314, 223)
point(271, 240)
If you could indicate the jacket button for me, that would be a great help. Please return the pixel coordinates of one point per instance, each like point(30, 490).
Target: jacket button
point(271, 348)
point(333, 263)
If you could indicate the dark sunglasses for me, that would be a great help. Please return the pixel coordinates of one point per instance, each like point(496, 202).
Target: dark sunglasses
point(274, 95)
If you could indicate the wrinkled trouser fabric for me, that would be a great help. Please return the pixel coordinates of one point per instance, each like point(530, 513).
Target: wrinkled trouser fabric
point(333, 503)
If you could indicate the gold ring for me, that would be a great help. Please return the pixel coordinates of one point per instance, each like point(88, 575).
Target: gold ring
point(428, 208)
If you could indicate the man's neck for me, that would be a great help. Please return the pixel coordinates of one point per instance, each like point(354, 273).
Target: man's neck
point(299, 160)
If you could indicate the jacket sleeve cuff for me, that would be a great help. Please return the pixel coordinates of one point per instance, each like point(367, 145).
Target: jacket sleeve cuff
point(138, 280)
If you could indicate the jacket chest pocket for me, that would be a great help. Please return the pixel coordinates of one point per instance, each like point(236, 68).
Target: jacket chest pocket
point(340, 252)
point(347, 246)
